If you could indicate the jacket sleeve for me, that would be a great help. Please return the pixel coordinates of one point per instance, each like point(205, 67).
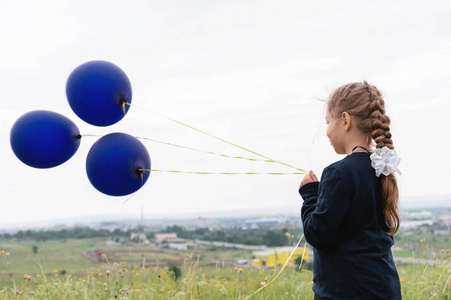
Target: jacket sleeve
point(325, 206)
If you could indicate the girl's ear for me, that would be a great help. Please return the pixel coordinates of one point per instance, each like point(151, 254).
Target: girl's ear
point(346, 121)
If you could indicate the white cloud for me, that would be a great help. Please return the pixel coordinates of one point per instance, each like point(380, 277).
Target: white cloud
point(247, 72)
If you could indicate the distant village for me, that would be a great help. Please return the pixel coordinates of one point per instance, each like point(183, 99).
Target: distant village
point(269, 237)
point(436, 221)
point(261, 255)
point(413, 222)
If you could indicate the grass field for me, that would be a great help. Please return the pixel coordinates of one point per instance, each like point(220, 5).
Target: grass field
point(61, 271)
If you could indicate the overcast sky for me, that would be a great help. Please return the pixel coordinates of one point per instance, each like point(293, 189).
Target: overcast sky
point(251, 72)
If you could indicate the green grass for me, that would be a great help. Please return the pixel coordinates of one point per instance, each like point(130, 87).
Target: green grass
point(421, 281)
point(52, 255)
point(138, 283)
point(24, 275)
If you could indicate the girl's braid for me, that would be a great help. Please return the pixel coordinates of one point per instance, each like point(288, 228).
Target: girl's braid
point(380, 122)
point(382, 137)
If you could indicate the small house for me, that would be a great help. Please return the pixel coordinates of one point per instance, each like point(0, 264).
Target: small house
point(277, 256)
point(139, 237)
point(165, 237)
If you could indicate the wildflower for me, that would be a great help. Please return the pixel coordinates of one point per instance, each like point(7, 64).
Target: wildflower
point(287, 234)
point(25, 276)
point(264, 282)
point(311, 282)
point(107, 272)
point(29, 277)
point(7, 254)
point(2, 252)
point(240, 270)
point(123, 272)
point(422, 240)
point(55, 271)
point(448, 250)
point(100, 274)
point(402, 279)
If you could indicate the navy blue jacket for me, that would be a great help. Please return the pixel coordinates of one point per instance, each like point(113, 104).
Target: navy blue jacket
point(343, 221)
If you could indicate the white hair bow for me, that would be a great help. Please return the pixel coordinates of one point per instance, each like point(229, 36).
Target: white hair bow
point(385, 161)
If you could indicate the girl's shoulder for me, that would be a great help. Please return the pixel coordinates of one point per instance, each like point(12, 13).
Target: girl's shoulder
point(354, 163)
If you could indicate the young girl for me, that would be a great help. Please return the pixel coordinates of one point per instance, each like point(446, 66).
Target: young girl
point(350, 217)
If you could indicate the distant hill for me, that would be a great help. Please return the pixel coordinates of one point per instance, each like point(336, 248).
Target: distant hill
point(420, 202)
point(435, 201)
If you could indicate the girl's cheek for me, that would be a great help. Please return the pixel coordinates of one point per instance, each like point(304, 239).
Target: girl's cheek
point(328, 131)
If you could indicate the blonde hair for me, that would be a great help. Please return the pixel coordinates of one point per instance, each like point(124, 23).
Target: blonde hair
point(364, 102)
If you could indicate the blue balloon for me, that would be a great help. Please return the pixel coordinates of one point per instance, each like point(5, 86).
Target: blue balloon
point(44, 139)
point(96, 91)
point(114, 164)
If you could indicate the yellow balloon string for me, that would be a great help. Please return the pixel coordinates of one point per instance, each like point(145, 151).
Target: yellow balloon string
point(93, 135)
point(302, 258)
point(228, 173)
point(202, 151)
point(142, 178)
point(220, 139)
point(207, 152)
point(280, 272)
point(142, 183)
point(218, 173)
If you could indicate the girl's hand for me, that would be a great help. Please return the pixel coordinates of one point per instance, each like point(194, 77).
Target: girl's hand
point(310, 177)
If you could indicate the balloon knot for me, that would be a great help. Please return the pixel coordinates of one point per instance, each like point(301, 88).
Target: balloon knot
point(123, 101)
